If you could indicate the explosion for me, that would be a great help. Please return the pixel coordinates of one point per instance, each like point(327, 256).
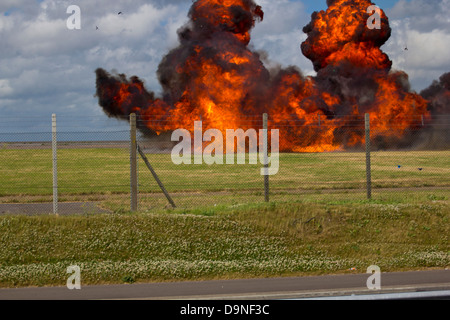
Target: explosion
point(213, 76)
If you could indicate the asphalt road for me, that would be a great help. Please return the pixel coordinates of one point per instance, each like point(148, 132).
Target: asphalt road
point(250, 289)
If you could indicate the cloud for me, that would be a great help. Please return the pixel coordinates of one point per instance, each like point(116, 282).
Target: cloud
point(280, 34)
point(5, 88)
point(423, 28)
point(46, 68)
point(424, 15)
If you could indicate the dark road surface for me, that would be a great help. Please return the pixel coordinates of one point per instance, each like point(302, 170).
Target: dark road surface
point(251, 289)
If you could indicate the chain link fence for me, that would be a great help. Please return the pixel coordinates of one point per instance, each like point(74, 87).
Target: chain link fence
point(81, 171)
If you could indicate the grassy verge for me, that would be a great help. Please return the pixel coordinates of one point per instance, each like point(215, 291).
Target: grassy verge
point(302, 237)
point(222, 230)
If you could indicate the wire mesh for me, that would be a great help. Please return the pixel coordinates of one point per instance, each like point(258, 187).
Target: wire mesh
point(318, 159)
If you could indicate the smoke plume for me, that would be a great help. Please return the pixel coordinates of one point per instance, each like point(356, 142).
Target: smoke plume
point(213, 76)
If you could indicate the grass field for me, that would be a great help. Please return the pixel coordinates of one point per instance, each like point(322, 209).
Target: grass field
point(259, 240)
point(26, 175)
point(318, 221)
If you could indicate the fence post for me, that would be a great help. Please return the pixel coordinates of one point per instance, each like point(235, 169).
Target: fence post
point(266, 156)
point(158, 181)
point(368, 164)
point(133, 164)
point(55, 165)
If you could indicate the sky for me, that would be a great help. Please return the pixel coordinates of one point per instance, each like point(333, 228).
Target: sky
point(46, 68)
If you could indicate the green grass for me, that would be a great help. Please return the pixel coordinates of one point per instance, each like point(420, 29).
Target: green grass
point(319, 220)
point(106, 171)
point(227, 241)
point(102, 175)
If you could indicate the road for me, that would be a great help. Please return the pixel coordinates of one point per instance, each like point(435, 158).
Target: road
point(319, 287)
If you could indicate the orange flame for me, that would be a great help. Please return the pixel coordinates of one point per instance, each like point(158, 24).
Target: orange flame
point(215, 77)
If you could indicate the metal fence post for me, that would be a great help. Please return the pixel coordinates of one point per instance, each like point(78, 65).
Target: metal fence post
point(55, 165)
point(133, 164)
point(266, 156)
point(368, 164)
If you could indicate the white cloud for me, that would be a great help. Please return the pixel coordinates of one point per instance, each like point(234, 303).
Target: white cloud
point(280, 34)
point(5, 88)
point(6, 5)
point(137, 25)
point(39, 37)
point(423, 28)
point(44, 67)
point(424, 15)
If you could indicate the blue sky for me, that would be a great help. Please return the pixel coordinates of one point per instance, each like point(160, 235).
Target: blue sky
point(46, 68)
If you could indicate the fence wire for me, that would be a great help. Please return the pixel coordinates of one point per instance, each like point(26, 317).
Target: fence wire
point(319, 160)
